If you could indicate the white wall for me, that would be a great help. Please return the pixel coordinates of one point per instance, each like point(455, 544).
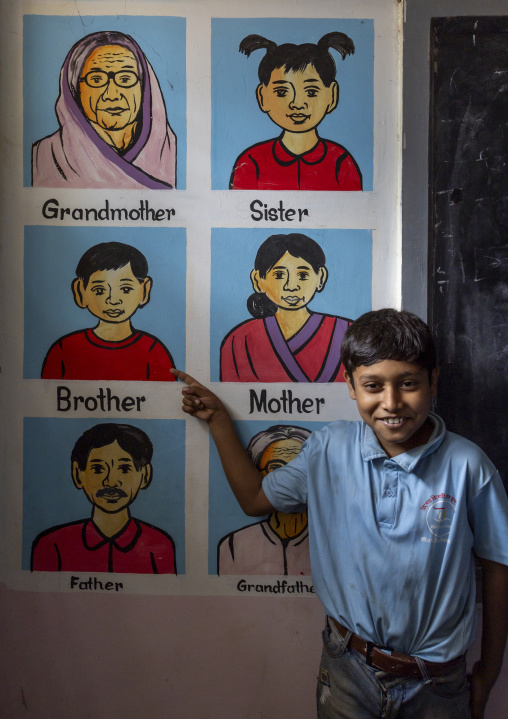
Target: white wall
point(195, 647)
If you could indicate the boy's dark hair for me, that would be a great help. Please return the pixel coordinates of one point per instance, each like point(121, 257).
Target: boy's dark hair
point(269, 253)
point(131, 439)
point(296, 57)
point(111, 256)
point(388, 334)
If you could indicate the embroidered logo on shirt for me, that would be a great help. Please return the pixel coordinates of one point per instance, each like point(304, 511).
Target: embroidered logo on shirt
point(440, 513)
point(434, 497)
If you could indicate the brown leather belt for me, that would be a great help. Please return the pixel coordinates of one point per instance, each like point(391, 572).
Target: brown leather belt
point(399, 664)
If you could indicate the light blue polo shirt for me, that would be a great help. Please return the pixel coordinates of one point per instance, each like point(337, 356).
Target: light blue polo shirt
point(392, 540)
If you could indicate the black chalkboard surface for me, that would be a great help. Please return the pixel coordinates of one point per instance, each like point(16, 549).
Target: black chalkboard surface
point(468, 243)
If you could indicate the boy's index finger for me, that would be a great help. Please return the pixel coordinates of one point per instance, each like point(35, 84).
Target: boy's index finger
point(184, 376)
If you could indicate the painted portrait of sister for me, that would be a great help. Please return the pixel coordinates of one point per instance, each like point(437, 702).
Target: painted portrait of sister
point(297, 90)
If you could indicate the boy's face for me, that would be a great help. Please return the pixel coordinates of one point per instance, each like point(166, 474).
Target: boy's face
point(297, 101)
point(112, 295)
point(110, 480)
point(394, 399)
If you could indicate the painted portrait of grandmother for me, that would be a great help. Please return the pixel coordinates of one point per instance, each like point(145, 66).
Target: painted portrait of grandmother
point(113, 128)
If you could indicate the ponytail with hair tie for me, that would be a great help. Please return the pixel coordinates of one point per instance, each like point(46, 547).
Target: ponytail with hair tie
point(338, 41)
point(256, 42)
point(296, 58)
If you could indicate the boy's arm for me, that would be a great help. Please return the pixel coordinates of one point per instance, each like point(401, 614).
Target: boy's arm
point(243, 477)
point(494, 633)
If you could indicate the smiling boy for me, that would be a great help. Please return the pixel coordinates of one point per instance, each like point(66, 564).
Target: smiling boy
point(112, 283)
point(398, 509)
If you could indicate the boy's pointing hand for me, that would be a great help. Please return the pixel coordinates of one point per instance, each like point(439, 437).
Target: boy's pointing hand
point(198, 400)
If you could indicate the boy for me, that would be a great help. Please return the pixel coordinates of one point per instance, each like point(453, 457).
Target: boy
point(111, 282)
point(397, 509)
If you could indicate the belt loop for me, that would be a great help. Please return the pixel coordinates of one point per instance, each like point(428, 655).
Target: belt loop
point(369, 646)
point(347, 639)
point(423, 670)
point(347, 636)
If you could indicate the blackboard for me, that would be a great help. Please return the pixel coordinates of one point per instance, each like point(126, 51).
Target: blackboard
point(468, 243)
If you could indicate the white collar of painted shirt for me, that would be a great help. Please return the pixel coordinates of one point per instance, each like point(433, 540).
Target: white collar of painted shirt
point(371, 449)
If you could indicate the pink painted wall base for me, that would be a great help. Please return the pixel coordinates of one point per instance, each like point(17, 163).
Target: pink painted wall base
point(144, 656)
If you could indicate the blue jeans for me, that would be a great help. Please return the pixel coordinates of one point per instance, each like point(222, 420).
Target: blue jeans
point(349, 689)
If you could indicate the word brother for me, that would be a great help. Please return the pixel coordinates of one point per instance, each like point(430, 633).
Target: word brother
point(104, 400)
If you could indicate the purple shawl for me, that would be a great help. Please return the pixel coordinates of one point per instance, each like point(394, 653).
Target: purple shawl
point(75, 155)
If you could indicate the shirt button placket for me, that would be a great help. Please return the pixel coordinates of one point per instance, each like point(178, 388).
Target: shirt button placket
point(387, 504)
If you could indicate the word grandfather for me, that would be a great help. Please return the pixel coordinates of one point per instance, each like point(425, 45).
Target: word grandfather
point(278, 587)
point(51, 210)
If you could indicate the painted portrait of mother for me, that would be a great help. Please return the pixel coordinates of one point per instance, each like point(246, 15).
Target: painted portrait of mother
point(113, 128)
point(285, 341)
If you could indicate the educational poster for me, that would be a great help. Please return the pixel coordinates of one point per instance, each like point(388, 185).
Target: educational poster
point(205, 186)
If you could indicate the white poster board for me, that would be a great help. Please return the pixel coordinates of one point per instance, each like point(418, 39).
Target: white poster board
point(200, 241)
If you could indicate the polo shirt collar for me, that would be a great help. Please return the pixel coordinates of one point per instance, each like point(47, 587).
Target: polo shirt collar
point(371, 449)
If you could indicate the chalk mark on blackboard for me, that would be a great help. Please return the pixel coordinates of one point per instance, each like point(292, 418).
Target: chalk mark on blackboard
point(491, 263)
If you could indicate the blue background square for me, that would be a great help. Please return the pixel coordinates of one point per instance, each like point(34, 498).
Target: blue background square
point(225, 515)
